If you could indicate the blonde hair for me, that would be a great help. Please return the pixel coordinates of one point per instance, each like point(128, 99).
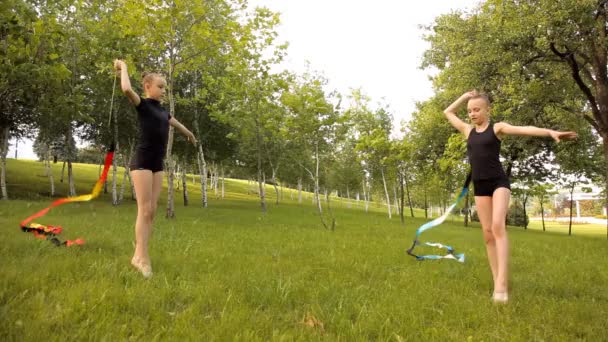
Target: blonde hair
point(149, 77)
point(483, 96)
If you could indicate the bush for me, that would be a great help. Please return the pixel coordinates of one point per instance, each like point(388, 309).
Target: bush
point(516, 217)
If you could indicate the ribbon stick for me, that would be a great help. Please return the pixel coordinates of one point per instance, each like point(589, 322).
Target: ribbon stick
point(450, 251)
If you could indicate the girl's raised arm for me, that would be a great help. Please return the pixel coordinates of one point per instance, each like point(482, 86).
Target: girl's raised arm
point(450, 113)
point(125, 82)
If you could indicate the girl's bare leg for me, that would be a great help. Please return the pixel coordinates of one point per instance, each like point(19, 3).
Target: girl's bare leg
point(484, 211)
point(143, 183)
point(500, 205)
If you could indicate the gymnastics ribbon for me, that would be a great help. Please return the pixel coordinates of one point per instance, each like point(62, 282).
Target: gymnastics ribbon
point(450, 251)
point(49, 232)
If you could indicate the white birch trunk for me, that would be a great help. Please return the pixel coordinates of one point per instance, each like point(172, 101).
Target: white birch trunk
point(299, 190)
point(202, 167)
point(49, 171)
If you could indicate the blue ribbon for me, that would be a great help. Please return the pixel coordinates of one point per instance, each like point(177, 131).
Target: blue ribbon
point(450, 251)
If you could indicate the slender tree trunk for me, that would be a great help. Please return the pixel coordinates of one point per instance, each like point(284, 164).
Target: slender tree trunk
point(261, 184)
point(525, 213)
point(202, 167)
point(571, 201)
point(71, 179)
point(215, 177)
point(402, 195)
point(388, 198)
point(396, 207)
point(115, 200)
point(200, 158)
point(49, 171)
point(331, 214)
point(274, 184)
point(300, 190)
point(178, 176)
point(128, 170)
point(170, 212)
point(259, 146)
point(370, 186)
point(62, 172)
point(409, 198)
point(3, 151)
point(185, 187)
point(317, 182)
point(542, 211)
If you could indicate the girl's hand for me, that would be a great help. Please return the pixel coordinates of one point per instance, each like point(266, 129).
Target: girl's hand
point(118, 64)
point(557, 135)
point(470, 94)
point(191, 139)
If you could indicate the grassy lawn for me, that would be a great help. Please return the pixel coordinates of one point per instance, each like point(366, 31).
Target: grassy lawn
point(229, 272)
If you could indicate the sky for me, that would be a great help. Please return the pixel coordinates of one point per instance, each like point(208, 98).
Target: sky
point(373, 45)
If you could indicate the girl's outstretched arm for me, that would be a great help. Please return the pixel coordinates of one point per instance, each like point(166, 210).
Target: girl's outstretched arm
point(125, 82)
point(450, 113)
point(503, 128)
point(183, 130)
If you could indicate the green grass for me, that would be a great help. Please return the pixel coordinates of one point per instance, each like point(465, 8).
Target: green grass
point(229, 272)
point(588, 229)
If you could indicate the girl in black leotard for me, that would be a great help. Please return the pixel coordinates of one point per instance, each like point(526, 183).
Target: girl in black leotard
point(147, 161)
point(491, 185)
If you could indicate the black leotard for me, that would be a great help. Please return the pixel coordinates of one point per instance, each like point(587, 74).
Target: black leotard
point(483, 149)
point(154, 133)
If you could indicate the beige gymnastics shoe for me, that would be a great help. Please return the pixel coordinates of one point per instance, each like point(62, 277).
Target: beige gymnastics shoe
point(144, 268)
point(500, 297)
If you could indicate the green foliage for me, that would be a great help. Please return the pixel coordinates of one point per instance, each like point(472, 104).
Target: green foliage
point(516, 216)
point(511, 50)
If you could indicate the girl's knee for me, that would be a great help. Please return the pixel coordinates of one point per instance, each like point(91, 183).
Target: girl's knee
point(488, 236)
point(146, 212)
point(498, 229)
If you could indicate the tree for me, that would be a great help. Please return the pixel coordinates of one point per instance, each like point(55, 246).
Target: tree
point(29, 71)
point(312, 124)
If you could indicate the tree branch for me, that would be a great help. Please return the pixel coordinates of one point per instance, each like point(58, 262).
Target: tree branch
point(587, 118)
point(569, 58)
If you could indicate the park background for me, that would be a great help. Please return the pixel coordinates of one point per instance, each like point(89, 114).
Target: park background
point(312, 190)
